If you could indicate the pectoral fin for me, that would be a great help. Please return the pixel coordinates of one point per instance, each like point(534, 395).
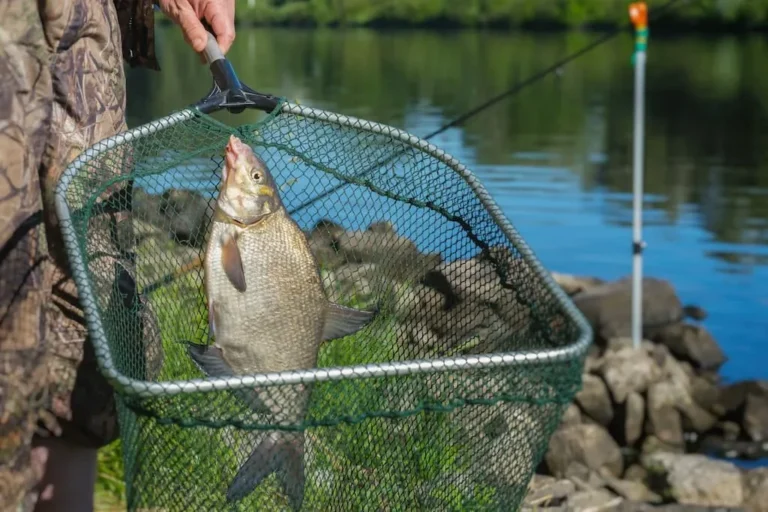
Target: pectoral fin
point(232, 263)
point(342, 321)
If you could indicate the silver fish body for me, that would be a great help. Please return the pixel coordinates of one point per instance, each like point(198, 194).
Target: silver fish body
point(277, 322)
point(267, 311)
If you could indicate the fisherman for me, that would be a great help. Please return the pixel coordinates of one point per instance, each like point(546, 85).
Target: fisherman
point(62, 89)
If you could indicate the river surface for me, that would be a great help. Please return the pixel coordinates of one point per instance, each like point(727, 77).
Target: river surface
point(557, 157)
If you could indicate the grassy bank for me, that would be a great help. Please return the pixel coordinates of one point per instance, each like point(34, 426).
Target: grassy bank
point(738, 15)
point(407, 462)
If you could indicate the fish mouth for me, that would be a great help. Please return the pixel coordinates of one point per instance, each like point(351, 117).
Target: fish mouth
point(230, 157)
point(232, 152)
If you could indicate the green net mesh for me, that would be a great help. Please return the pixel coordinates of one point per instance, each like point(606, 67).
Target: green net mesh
point(446, 401)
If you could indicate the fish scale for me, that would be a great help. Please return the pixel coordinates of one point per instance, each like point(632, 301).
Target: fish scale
point(277, 322)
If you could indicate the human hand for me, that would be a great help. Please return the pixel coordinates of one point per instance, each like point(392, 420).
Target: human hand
point(220, 15)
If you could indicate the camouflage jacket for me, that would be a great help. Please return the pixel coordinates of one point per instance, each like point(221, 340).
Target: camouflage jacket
point(137, 27)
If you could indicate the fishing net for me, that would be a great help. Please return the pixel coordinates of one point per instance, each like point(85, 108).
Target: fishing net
point(445, 401)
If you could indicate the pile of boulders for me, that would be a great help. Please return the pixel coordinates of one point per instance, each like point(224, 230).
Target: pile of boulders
point(647, 423)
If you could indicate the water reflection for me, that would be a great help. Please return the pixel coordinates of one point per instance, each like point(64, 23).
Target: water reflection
point(557, 156)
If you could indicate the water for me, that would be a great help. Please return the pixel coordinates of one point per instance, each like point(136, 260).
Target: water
point(556, 157)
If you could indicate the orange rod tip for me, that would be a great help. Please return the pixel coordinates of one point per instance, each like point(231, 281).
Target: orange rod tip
point(638, 13)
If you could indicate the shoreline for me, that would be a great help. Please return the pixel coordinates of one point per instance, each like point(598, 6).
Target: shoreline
point(665, 29)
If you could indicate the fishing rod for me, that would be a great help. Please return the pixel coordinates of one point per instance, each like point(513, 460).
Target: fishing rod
point(517, 88)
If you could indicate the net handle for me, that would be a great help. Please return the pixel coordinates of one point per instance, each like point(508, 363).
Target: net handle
point(227, 91)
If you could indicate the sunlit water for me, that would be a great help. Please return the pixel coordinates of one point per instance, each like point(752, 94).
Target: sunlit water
point(557, 156)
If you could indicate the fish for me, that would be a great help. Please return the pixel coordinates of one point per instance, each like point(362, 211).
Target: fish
point(267, 311)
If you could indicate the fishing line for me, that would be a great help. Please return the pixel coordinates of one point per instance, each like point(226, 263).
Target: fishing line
point(517, 88)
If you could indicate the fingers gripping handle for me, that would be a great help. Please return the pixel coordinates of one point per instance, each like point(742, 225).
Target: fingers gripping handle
point(223, 73)
point(212, 52)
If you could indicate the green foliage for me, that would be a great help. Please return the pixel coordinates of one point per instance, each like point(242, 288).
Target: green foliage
point(110, 486)
point(515, 13)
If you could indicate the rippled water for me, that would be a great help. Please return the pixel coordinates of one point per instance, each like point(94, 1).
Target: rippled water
point(557, 156)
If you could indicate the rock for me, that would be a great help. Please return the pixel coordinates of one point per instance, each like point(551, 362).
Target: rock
point(634, 506)
point(730, 430)
point(422, 337)
point(322, 243)
point(418, 302)
point(695, 417)
point(679, 396)
point(660, 354)
point(665, 423)
point(472, 279)
point(747, 403)
point(158, 258)
point(353, 280)
point(756, 490)
point(500, 432)
point(652, 444)
point(571, 416)
point(372, 246)
point(628, 370)
point(594, 399)
point(593, 363)
point(663, 418)
point(457, 326)
point(706, 395)
point(545, 491)
point(695, 479)
point(182, 214)
point(465, 328)
point(589, 444)
point(695, 312)
point(632, 490)
point(593, 501)
point(583, 477)
point(635, 473)
point(574, 284)
point(608, 307)
point(479, 280)
point(398, 255)
point(634, 418)
point(692, 343)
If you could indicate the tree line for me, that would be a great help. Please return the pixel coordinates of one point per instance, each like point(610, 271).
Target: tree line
point(563, 14)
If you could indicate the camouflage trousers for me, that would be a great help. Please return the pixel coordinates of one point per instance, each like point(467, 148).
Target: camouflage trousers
point(61, 90)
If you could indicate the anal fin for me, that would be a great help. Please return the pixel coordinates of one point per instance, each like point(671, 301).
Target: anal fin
point(342, 321)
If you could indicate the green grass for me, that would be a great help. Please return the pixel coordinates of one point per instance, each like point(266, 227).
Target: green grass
point(404, 463)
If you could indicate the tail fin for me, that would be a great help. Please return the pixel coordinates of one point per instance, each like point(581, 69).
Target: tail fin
point(281, 452)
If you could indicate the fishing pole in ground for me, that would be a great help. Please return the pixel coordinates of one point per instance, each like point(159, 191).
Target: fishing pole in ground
point(492, 101)
point(638, 13)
